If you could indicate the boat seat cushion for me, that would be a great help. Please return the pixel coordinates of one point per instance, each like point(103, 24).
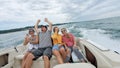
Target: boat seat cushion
point(75, 65)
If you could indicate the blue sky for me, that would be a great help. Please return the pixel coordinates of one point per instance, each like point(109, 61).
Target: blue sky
point(58, 11)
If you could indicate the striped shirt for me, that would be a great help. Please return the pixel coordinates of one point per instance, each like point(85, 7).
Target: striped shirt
point(45, 39)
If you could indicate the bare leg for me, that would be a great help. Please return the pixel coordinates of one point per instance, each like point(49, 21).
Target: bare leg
point(68, 52)
point(63, 53)
point(24, 60)
point(29, 61)
point(58, 56)
point(46, 62)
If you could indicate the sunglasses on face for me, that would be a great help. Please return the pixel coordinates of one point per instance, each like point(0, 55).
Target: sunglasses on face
point(63, 31)
point(31, 31)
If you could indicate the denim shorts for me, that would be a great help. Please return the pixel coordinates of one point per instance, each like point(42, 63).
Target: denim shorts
point(56, 47)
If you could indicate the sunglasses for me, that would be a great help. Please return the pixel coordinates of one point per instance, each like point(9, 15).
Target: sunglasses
point(31, 31)
point(63, 31)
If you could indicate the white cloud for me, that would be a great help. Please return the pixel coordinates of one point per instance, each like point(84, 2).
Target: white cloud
point(16, 10)
point(57, 10)
point(107, 8)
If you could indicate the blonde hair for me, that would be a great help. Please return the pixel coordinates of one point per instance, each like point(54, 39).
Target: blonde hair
point(64, 29)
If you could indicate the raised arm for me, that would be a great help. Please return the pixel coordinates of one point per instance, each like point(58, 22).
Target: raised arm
point(50, 24)
point(36, 26)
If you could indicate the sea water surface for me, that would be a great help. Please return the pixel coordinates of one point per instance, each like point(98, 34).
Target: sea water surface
point(105, 32)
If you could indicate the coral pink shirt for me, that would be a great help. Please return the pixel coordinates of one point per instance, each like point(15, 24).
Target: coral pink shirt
point(68, 41)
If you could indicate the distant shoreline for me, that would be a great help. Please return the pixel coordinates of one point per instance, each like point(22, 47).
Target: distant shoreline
point(24, 28)
point(27, 27)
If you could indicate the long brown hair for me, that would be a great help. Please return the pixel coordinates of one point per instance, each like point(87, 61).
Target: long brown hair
point(55, 28)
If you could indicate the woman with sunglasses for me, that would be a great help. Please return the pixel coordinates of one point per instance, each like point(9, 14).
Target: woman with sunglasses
point(32, 41)
point(69, 41)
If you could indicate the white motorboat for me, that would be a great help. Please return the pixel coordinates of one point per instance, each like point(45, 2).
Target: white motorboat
point(97, 56)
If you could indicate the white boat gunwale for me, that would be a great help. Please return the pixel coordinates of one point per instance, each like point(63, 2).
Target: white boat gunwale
point(96, 51)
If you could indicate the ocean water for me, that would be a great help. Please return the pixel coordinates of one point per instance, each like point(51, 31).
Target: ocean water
point(105, 32)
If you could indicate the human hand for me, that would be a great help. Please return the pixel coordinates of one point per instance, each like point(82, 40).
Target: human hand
point(46, 20)
point(60, 45)
point(75, 46)
point(50, 24)
point(27, 37)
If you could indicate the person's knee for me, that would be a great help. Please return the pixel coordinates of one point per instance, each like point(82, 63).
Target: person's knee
point(62, 49)
point(30, 55)
point(45, 58)
point(68, 50)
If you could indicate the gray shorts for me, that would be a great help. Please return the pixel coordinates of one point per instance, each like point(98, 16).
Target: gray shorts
point(42, 52)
